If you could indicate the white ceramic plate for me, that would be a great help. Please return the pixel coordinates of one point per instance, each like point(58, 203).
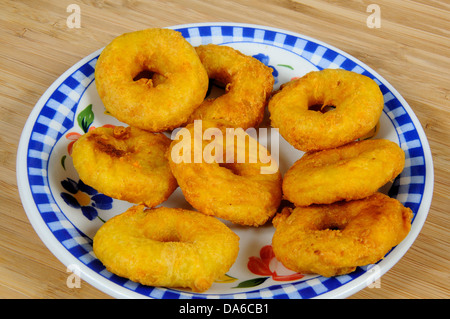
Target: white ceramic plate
point(66, 213)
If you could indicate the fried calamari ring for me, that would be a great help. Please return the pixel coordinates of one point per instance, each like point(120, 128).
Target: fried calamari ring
point(358, 104)
point(248, 86)
point(141, 103)
point(125, 163)
point(334, 239)
point(226, 176)
point(352, 171)
point(168, 247)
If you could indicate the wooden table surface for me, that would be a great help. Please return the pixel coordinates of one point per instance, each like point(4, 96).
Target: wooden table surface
point(410, 49)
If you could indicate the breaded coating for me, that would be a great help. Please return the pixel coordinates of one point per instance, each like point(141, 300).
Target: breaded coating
point(248, 85)
point(239, 191)
point(352, 171)
point(159, 103)
point(297, 109)
point(167, 247)
point(125, 163)
point(334, 239)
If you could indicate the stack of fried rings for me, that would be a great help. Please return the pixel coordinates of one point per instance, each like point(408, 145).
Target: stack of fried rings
point(339, 221)
point(153, 80)
point(132, 101)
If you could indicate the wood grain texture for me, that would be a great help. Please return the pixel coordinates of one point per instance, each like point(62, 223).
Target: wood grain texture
point(411, 50)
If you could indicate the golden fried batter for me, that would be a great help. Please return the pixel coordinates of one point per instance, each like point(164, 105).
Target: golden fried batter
point(352, 171)
point(163, 101)
point(126, 163)
point(240, 191)
point(248, 86)
point(358, 104)
point(334, 239)
point(167, 247)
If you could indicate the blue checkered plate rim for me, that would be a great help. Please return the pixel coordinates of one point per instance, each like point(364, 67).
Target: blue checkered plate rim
point(290, 55)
